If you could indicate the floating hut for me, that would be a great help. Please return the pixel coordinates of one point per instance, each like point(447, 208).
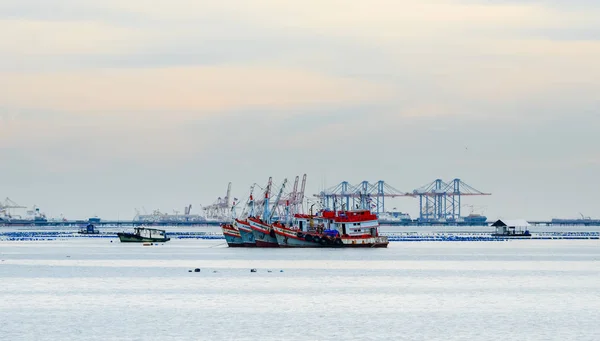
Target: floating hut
point(511, 228)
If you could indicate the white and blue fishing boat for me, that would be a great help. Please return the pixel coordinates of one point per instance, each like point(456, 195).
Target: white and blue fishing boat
point(245, 230)
point(232, 235)
point(230, 231)
point(243, 225)
point(261, 227)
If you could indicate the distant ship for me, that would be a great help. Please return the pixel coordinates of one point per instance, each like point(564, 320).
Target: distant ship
point(32, 217)
point(94, 220)
point(394, 216)
point(585, 221)
point(164, 218)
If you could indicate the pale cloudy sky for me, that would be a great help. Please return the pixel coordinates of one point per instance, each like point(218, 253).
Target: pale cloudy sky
point(107, 105)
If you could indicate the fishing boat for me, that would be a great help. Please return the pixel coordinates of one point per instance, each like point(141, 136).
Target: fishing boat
point(262, 228)
point(232, 235)
point(230, 230)
point(245, 230)
point(143, 235)
point(292, 236)
point(263, 232)
point(346, 228)
point(242, 224)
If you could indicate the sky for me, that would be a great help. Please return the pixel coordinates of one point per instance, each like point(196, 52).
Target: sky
point(110, 105)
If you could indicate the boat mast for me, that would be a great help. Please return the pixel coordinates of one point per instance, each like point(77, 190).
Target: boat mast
point(266, 203)
point(251, 202)
point(287, 213)
point(276, 203)
point(233, 206)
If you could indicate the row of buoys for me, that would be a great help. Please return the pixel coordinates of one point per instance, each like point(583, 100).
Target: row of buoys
point(215, 271)
point(254, 270)
point(392, 237)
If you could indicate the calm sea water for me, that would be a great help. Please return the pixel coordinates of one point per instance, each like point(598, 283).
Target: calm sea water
point(92, 289)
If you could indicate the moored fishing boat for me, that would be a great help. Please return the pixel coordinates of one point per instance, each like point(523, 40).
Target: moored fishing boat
point(246, 234)
point(232, 235)
point(264, 235)
point(143, 235)
point(327, 228)
point(293, 237)
point(263, 231)
point(354, 228)
point(242, 223)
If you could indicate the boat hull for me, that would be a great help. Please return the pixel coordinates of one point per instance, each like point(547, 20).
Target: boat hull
point(263, 234)
point(133, 238)
point(246, 234)
point(379, 242)
point(232, 236)
point(292, 238)
point(287, 237)
point(233, 241)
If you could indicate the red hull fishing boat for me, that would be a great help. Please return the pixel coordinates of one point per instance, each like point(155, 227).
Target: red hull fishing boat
point(354, 228)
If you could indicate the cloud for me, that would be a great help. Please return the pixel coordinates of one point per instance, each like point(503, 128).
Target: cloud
point(121, 94)
point(381, 20)
point(26, 37)
point(205, 89)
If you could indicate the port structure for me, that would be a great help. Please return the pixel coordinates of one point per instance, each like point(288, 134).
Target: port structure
point(365, 195)
point(221, 208)
point(7, 206)
point(440, 201)
point(293, 199)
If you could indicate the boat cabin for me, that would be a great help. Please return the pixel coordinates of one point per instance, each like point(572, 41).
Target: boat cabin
point(146, 232)
point(349, 223)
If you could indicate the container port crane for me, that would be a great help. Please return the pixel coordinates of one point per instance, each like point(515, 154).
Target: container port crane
point(220, 209)
point(440, 201)
point(294, 199)
point(7, 206)
point(350, 196)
